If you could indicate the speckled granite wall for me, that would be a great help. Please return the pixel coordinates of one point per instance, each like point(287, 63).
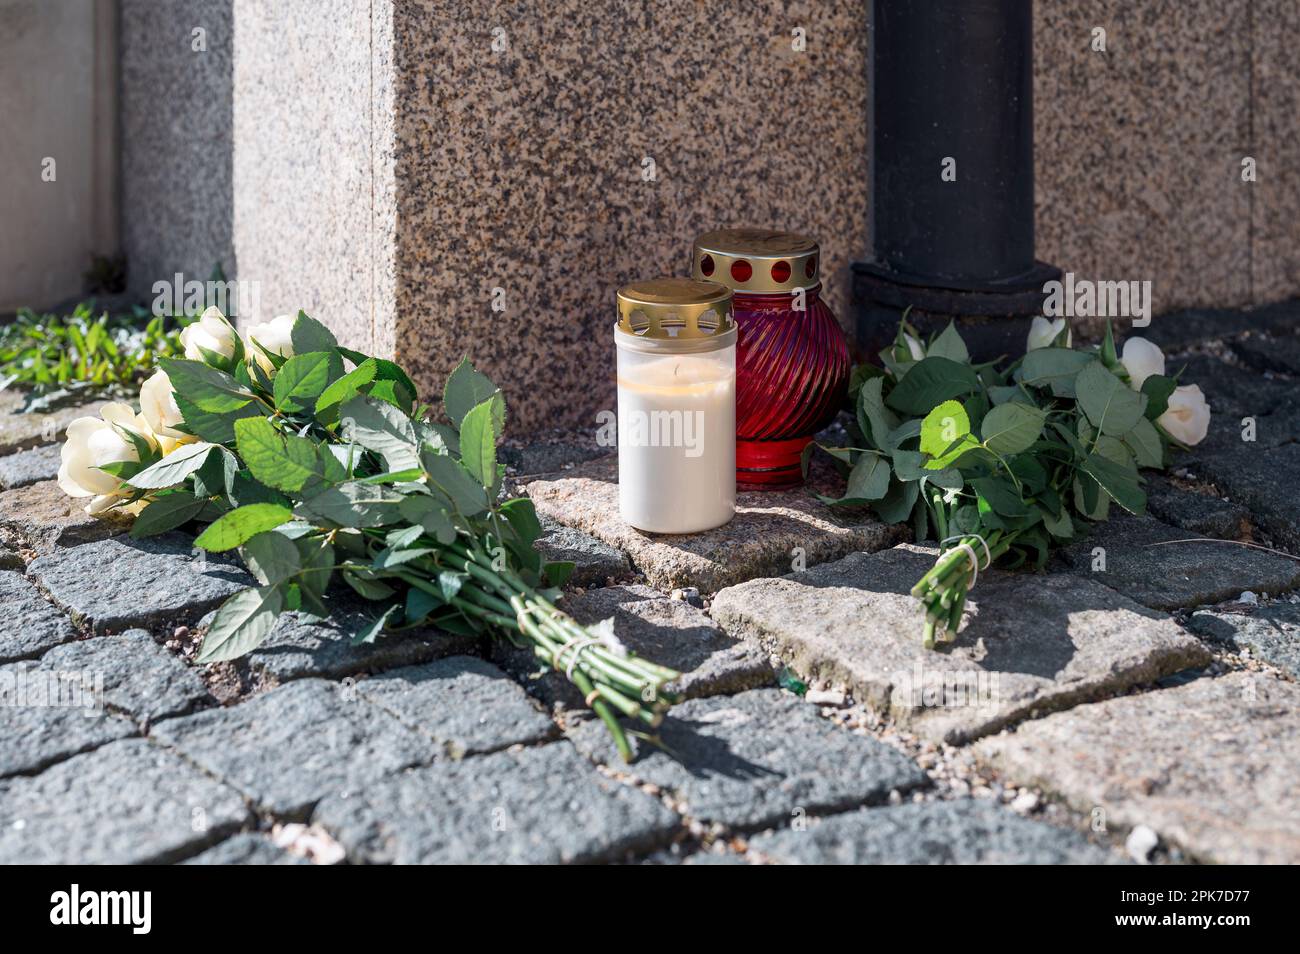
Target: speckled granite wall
point(394, 163)
point(530, 169)
point(1138, 149)
point(176, 139)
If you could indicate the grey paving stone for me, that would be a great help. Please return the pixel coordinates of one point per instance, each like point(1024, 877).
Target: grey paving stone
point(540, 805)
point(48, 518)
point(1203, 514)
point(22, 431)
point(29, 466)
point(11, 557)
point(1263, 352)
point(1180, 329)
point(964, 832)
point(756, 759)
point(1262, 479)
point(126, 803)
point(30, 625)
point(670, 632)
point(1142, 563)
point(1271, 633)
point(47, 715)
point(289, 748)
point(140, 677)
point(300, 645)
point(1031, 643)
point(762, 539)
point(1234, 390)
point(1213, 766)
point(246, 848)
point(122, 583)
point(593, 561)
point(467, 705)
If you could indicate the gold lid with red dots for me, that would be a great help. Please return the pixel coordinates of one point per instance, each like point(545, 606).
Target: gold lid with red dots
point(756, 261)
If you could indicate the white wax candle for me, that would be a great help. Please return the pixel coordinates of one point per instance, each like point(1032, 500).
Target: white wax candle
point(677, 440)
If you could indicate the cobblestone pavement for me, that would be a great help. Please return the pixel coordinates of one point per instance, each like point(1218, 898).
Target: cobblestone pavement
point(1147, 679)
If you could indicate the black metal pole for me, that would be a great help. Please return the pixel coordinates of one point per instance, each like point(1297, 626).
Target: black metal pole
point(952, 169)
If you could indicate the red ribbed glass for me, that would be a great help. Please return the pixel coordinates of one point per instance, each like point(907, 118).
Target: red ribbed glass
point(792, 371)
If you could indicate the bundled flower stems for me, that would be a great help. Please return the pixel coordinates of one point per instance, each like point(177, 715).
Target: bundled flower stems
point(316, 463)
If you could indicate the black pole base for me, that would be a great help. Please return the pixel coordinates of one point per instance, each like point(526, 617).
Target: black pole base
point(993, 317)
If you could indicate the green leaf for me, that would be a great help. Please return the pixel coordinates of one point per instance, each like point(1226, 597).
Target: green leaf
point(950, 345)
point(316, 556)
point(346, 387)
point(558, 571)
point(1120, 483)
point(431, 514)
point(449, 582)
point(419, 604)
point(356, 505)
point(173, 468)
point(309, 335)
point(1054, 368)
point(943, 434)
point(205, 387)
point(1144, 441)
point(365, 584)
point(370, 631)
point(1111, 405)
point(896, 505)
point(522, 517)
point(241, 624)
point(1061, 526)
point(455, 484)
point(930, 382)
point(466, 389)
point(271, 557)
point(1158, 390)
point(241, 524)
point(167, 513)
point(303, 378)
point(874, 419)
point(381, 428)
point(478, 439)
point(1000, 495)
point(390, 556)
point(869, 478)
point(218, 428)
point(1011, 428)
point(282, 461)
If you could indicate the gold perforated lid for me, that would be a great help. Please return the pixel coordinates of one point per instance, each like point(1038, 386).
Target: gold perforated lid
point(675, 308)
point(758, 261)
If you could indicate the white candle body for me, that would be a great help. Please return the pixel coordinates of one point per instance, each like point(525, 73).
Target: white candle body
point(677, 440)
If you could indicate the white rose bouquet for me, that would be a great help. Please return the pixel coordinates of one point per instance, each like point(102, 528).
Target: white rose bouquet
point(319, 473)
point(1003, 465)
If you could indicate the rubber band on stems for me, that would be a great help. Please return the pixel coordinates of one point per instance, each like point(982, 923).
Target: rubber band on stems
point(970, 552)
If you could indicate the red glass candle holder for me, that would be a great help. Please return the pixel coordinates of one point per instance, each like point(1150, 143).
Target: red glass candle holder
point(792, 362)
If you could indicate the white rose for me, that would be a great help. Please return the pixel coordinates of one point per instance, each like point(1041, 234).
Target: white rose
point(275, 336)
point(158, 408)
point(1187, 418)
point(211, 332)
point(914, 346)
point(93, 442)
point(1141, 359)
point(1043, 332)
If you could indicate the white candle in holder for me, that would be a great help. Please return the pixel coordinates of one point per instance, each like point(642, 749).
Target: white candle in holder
point(676, 344)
